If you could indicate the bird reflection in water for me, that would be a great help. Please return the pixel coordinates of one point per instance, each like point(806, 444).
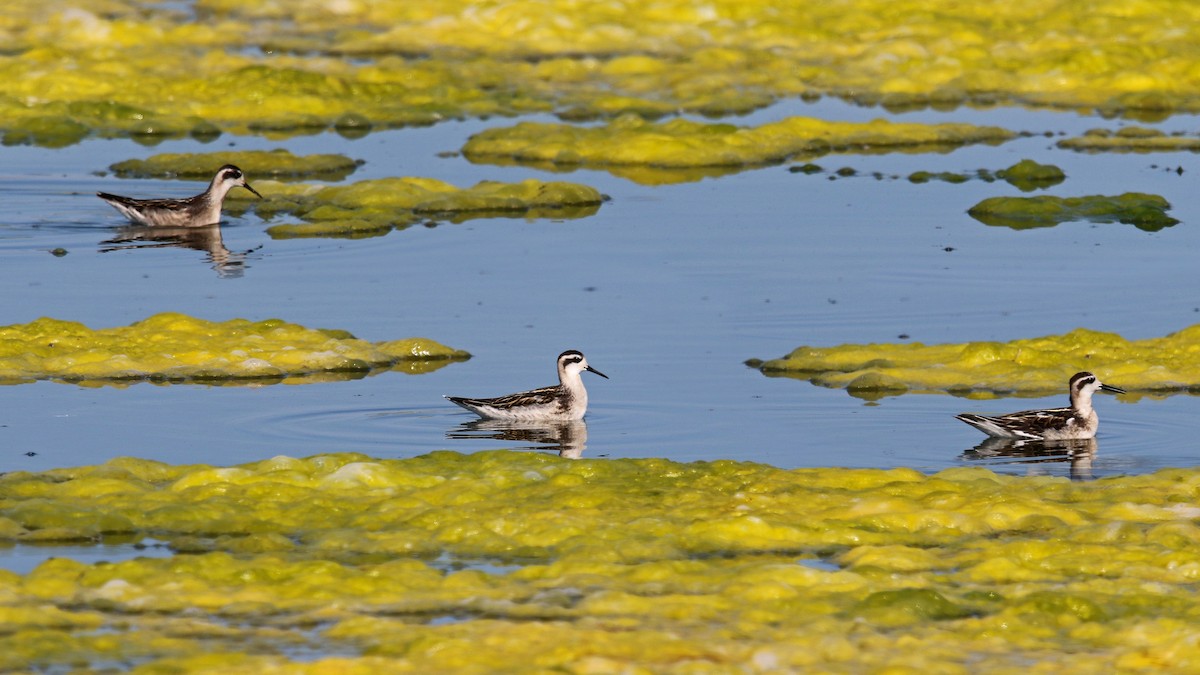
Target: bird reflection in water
point(228, 264)
point(1080, 453)
point(567, 438)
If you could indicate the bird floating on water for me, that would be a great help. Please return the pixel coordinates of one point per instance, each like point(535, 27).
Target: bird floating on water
point(202, 209)
point(1076, 421)
point(565, 401)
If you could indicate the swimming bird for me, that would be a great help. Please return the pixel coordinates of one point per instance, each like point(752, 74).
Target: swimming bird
point(566, 401)
point(1056, 424)
point(203, 209)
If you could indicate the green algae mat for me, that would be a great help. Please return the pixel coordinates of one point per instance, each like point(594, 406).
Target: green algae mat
point(508, 561)
point(176, 348)
point(671, 147)
point(1144, 211)
point(278, 164)
point(122, 68)
point(376, 207)
point(1130, 139)
point(1024, 367)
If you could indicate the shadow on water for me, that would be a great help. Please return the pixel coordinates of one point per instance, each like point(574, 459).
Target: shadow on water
point(207, 238)
point(568, 439)
point(1078, 454)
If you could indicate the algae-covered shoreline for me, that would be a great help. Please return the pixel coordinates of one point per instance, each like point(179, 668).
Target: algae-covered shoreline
point(602, 565)
point(114, 68)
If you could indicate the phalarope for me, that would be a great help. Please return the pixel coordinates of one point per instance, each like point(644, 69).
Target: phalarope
point(1056, 424)
point(566, 401)
point(203, 209)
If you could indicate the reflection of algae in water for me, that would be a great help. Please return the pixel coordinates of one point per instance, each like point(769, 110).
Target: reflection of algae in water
point(375, 207)
point(1025, 367)
point(621, 565)
point(179, 348)
point(680, 143)
point(1144, 211)
point(1129, 139)
point(642, 175)
point(279, 164)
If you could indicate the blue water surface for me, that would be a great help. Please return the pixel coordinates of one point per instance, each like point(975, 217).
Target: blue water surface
point(668, 289)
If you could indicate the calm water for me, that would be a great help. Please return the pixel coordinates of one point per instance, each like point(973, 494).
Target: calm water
point(668, 289)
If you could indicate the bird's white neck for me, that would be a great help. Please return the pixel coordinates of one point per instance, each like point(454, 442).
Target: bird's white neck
point(572, 381)
point(1082, 402)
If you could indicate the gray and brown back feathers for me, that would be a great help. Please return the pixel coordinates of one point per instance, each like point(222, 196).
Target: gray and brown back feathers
point(566, 401)
point(1079, 420)
point(202, 209)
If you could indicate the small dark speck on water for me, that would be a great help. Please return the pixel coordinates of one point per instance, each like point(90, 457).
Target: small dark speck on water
point(948, 249)
point(58, 252)
point(832, 301)
point(903, 336)
point(31, 454)
point(590, 289)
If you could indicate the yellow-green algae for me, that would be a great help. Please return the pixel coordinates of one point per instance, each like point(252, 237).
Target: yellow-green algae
point(1028, 175)
point(375, 207)
point(1143, 211)
point(1026, 367)
point(622, 565)
point(73, 68)
point(1130, 139)
point(633, 141)
point(279, 164)
point(173, 347)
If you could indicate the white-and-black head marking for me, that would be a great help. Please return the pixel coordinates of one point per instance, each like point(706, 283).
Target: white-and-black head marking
point(1082, 381)
point(573, 356)
point(230, 172)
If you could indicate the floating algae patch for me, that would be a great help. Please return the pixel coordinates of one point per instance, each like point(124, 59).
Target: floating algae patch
point(375, 207)
point(633, 141)
point(1130, 139)
point(950, 176)
point(1143, 211)
point(1025, 367)
point(612, 565)
point(179, 348)
point(279, 164)
point(1026, 175)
